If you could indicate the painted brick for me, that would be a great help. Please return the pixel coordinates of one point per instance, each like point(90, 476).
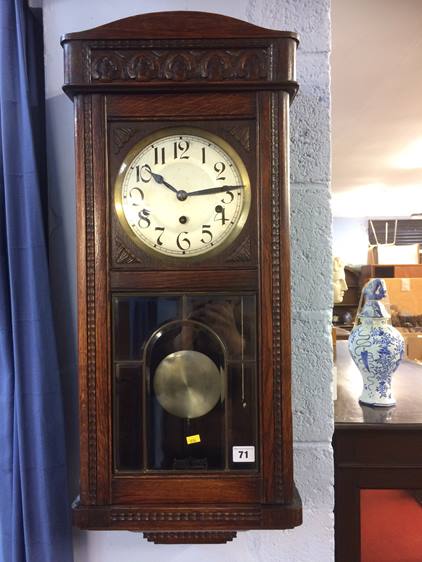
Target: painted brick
point(312, 542)
point(316, 485)
point(312, 69)
point(311, 247)
point(310, 135)
point(309, 18)
point(312, 376)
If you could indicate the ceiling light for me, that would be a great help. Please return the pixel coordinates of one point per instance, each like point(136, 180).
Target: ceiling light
point(410, 158)
point(376, 200)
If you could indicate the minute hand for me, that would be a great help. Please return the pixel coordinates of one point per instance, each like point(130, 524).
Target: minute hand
point(219, 189)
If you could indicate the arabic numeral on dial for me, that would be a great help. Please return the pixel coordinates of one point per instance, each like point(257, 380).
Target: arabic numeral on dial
point(219, 167)
point(144, 221)
point(228, 194)
point(220, 215)
point(136, 196)
point(206, 232)
point(160, 229)
point(143, 173)
point(183, 243)
point(180, 149)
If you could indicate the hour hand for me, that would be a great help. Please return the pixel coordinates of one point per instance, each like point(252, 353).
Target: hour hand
point(158, 178)
point(219, 189)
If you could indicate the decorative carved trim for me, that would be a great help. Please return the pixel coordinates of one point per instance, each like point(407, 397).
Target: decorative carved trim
point(190, 537)
point(90, 303)
point(183, 516)
point(123, 255)
point(242, 253)
point(210, 43)
point(143, 65)
point(242, 134)
point(86, 62)
point(121, 135)
point(276, 295)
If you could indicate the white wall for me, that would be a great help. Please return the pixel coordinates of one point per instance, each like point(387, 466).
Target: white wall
point(350, 239)
point(311, 252)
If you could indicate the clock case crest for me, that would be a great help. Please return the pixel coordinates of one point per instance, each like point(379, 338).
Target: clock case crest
point(233, 79)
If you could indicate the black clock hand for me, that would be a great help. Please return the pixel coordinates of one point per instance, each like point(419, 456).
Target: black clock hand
point(160, 180)
point(215, 190)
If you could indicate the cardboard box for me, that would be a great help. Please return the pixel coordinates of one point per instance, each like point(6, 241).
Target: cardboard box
point(413, 347)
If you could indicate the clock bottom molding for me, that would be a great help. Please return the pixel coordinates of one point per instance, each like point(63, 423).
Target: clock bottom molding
point(190, 537)
point(188, 523)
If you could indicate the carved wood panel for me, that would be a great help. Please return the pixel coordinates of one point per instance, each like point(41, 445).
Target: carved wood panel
point(276, 295)
point(143, 65)
point(121, 135)
point(90, 302)
point(195, 515)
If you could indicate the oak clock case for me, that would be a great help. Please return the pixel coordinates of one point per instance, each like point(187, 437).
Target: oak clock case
point(183, 276)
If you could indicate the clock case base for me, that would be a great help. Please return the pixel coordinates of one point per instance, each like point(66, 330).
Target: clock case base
point(179, 525)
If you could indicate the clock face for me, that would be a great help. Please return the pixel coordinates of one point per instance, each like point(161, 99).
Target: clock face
point(182, 193)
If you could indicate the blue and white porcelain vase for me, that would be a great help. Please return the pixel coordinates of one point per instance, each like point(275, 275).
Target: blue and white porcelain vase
point(375, 346)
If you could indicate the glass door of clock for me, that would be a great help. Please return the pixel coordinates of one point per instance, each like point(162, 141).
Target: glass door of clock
point(185, 382)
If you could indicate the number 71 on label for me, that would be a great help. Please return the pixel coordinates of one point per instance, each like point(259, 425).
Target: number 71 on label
point(243, 454)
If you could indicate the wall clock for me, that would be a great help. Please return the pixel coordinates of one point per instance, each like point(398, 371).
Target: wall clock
point(183, 275)
point(201, 211)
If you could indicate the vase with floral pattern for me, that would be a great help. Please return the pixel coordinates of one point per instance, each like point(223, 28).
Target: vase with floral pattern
point(376, 346)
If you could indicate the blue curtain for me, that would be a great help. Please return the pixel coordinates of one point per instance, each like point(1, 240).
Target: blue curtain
point(34, 506)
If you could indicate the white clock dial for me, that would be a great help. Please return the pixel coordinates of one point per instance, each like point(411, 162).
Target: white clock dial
point(183, 193)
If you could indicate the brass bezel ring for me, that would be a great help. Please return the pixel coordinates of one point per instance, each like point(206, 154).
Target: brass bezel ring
point(225, 147)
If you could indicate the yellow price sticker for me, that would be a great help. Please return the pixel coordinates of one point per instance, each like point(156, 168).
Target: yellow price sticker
point(191, 439)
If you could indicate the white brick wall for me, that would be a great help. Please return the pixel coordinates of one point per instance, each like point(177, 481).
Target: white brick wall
point(311, 277)
point(311, 270)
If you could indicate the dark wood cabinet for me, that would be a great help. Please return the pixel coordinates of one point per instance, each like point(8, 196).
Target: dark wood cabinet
point(206, 290)
point(376, 449)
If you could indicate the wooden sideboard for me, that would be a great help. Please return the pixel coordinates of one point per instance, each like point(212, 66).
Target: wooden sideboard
point(374, 449)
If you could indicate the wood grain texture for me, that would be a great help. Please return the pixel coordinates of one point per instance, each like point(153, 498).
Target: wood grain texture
point(102, 328)
point(179, 50)
point(189, 517)
point(184, 281)
point(209, 105)
point(177, 25)
point(177, 490)
point(83, 153)
point(89, 346)
point(265, 296)
point(283, 391)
